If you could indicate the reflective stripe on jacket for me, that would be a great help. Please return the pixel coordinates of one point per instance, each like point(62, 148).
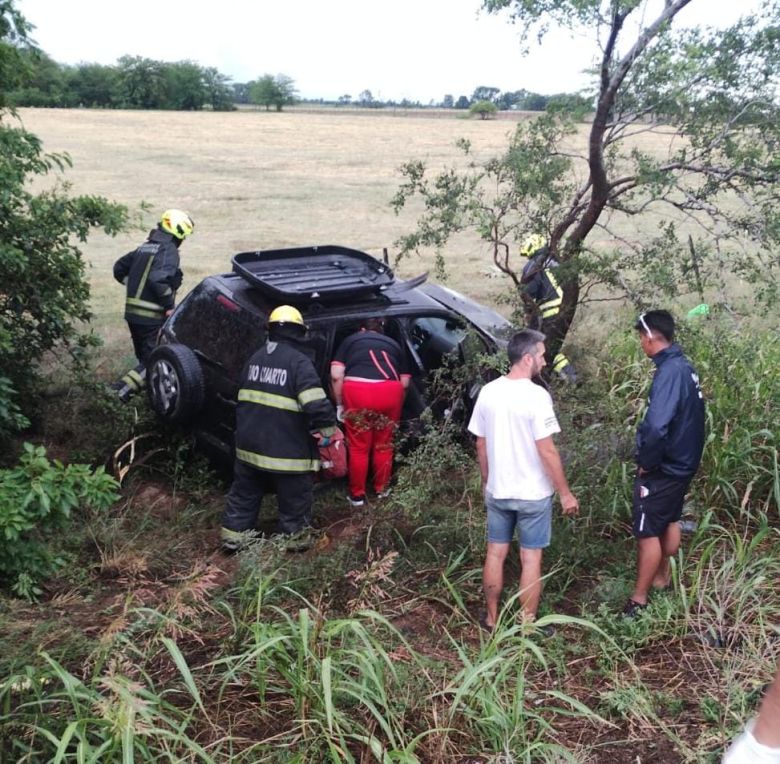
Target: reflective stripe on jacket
point(280, 403)
point(541, 285)
point(551, 306)
point(152, 276)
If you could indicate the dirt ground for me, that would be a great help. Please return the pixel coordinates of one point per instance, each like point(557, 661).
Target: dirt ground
point(166, 560)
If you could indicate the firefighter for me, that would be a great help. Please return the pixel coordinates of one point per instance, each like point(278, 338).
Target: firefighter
point(283, 415)
point(151, 275)
point(540, 284)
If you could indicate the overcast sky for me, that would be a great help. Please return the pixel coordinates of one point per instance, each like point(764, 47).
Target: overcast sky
point(415, 49)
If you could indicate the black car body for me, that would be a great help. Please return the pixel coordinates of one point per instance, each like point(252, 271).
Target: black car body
point(193, 373)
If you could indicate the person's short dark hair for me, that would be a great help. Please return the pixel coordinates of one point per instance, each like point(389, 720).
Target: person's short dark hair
point(660, 321)
point(374, 324)
point(521, 343)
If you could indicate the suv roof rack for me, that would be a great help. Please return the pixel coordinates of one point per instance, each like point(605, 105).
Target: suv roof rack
point(321, 273)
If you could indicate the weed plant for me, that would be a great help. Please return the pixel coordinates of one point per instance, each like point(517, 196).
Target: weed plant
point(369, 649)
point(37, 499)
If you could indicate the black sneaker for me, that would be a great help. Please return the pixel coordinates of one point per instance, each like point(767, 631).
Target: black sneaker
point(356, 501)
point(632, 609)
point(230, 548)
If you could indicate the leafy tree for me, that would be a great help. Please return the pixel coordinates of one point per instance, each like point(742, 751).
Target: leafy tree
point(462, 103)
point(143, 82)
point(286, 92)
point(448, 102)
point(14, 65)
point(45, 83)
point(511, 98)
point(241, 92)
point(94, 85)
point(574, 103)
point(707, 102)
point(483, 109)
point(366, 98)
point(43, 292)
point(263, 91)
point(345, 99)
point(483, 93)
point(185, 87)
point(273, 91)
point(219, 92)
point(534, 102)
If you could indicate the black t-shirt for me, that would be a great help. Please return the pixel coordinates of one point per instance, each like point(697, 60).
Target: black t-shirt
point(371, 355)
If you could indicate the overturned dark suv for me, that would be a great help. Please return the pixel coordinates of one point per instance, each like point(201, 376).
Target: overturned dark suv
point(193, 374)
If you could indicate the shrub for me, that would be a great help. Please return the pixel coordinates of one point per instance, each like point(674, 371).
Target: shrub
point(45, 295)
point(36, 500)
point(484, 109)
point(11, 417)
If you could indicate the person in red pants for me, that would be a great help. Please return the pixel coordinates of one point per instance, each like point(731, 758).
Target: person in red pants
point(369, 378)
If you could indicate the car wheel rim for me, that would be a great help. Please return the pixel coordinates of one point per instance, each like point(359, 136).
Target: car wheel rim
point(165, 386)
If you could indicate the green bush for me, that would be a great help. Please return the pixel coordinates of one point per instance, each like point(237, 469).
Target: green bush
point(44, 301)
point(11, 417)
point(36, 500)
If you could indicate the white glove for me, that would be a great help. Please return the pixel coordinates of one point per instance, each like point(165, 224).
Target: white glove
point(340, 412)
point(747, 750)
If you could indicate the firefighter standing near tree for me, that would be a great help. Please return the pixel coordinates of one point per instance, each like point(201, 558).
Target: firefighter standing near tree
point(541, 285)
point(151, 275)
point(282, 416)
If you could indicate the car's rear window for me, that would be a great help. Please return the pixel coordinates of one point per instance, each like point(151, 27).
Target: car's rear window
point(217, 330)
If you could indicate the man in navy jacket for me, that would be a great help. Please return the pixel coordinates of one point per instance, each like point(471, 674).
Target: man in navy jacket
point(669, 443)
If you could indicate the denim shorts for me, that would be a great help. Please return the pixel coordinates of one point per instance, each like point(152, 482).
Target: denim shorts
point(533, 520)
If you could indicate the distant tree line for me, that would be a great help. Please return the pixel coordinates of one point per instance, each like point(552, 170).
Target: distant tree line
point(522, 100)
point(484, 100)
point(135, 82)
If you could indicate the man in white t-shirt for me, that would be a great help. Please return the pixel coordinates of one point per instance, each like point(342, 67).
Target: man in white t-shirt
point(514, 422)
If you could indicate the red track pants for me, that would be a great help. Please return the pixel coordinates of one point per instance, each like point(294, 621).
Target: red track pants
point(372, 411)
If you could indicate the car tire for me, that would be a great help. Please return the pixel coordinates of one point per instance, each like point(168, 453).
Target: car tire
point(174, 383)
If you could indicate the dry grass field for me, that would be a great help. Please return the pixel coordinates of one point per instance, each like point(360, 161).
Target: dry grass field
point(254, 179)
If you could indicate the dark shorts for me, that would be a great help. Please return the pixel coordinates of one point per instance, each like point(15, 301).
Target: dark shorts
point(658, 501)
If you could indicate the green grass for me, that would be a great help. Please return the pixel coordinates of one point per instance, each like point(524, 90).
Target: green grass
point(369, 650)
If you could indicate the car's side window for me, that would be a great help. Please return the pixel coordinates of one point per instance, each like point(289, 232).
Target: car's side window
point(316, 347)
point(342, 331)
point(473, 346)
point(434, 339)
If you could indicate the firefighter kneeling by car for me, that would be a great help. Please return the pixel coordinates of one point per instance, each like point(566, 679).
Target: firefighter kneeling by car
point(283, 416)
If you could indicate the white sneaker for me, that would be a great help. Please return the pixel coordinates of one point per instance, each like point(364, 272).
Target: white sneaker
point(356, 501)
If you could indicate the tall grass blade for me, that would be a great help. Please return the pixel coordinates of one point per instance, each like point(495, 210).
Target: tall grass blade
point(184, 670)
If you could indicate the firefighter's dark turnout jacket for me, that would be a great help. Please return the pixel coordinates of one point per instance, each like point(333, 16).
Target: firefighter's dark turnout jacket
point(280, 404)
point(541, 285)
point(152, 276)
